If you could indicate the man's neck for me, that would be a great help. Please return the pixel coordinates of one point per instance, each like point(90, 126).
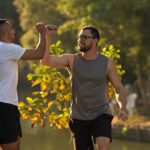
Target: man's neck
point(90, 55)
point(5, 41)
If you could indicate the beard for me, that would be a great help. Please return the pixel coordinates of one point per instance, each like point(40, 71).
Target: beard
point(85, 48)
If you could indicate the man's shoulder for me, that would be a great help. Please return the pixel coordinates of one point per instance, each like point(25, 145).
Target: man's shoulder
point(9, 45)
point(3, 44)
point(68, 56)
point(14, 45)
point(11, 51)
point(104, 57)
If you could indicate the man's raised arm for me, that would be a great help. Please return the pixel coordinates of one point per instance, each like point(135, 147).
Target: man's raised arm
point(39, 51)
point(52, 60)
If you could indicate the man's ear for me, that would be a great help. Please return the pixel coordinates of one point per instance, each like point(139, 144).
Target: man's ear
point(3, 33)
point(95, 41)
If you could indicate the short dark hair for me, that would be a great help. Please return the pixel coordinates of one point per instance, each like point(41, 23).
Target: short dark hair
point(2, 21)
point(94, 31)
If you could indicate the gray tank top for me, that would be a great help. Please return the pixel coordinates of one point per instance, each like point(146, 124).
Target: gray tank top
point(89, 88)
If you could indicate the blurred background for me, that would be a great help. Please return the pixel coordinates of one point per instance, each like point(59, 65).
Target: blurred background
point(124, 24)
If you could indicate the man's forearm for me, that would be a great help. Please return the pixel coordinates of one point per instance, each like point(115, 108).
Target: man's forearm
point(121, 97)
point(122, 114)
point(41, 46)
point(47, 53)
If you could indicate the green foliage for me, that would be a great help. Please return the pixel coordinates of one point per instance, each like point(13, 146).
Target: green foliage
point(51, 103)
point(111, 52)
point(124, 130)
point(33, 11)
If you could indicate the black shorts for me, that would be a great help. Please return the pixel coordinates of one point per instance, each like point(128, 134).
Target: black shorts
point(10, 127)
point(83, 131)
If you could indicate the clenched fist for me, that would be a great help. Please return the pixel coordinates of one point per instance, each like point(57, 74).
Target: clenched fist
point(123, 115)
point(52, 28)
point(40, 27)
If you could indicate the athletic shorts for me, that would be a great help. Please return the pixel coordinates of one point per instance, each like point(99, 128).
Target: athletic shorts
point(83, 132)
point(10, 127)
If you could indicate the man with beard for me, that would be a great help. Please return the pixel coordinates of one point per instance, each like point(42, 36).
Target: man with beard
point(10, 53)
point(90, 115)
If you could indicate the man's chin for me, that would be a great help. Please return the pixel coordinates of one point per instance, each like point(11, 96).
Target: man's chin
point(84, 50)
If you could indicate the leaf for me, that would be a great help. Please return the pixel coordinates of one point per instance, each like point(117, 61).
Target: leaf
point(30, 76)
point(29, 100)
point(50, 104)
point(124, 130)
point(58, 126)
point(33, 125)
point(35, 119)
point(42, 124)
point(21, 104)
point(36, 82)
point(59, 107)
point(61, 87)
point(43, 86)
point(44, 94)
point(23, 115)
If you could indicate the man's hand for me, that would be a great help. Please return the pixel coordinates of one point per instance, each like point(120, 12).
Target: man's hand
point(52, 28)
point(40, 27)
point(123, 115)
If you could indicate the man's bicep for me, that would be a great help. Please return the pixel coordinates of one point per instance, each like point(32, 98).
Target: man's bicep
point(30, 54)
point(57, 61)
point(113, 75)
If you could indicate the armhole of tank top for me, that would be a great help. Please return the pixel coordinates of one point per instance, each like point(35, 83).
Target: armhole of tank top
point(74, 60)
point(76, 56)
point(107, 59)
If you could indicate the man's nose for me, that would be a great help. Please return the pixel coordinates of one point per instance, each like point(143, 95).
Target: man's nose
point(80, 40)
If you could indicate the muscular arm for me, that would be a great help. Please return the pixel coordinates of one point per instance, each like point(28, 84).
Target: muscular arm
point(115, 80)
point(39, 51)
point(57, 61)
